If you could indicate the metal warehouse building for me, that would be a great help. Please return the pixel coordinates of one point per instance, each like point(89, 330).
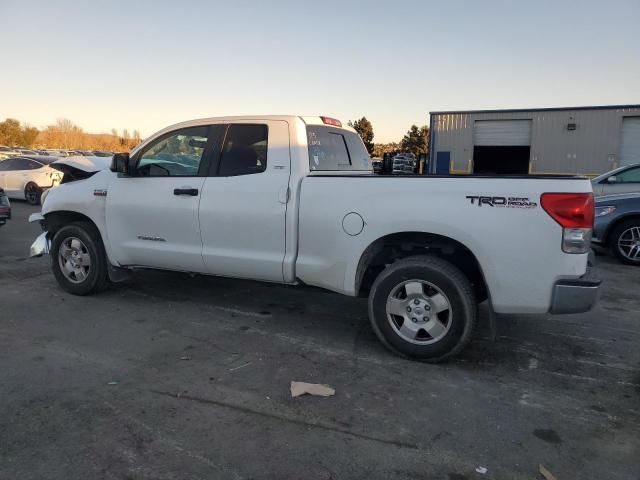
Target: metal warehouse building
point(578, 140)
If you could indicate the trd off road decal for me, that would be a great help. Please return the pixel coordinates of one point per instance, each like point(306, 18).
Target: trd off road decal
point(504, 202)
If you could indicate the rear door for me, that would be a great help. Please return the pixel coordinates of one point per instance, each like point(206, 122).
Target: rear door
point(244, 202)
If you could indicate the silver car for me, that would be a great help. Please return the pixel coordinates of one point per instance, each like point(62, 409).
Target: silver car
point(621, 180)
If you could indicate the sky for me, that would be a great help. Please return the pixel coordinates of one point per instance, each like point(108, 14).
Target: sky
point(148, 64)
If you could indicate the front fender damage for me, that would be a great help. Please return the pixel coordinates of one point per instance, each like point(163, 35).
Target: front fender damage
point(41, 245)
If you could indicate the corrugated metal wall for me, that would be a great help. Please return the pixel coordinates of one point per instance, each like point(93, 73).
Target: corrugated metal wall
point(592, 148)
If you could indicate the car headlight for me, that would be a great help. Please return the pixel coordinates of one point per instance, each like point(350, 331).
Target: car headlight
point(602, 211)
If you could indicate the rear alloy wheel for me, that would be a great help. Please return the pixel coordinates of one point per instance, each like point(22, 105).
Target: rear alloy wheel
point(423, 307)
point(32, 194)
point(419, 312)
point(625, 242)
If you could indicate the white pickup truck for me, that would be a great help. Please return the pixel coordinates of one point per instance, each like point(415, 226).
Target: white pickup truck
point(293, 200)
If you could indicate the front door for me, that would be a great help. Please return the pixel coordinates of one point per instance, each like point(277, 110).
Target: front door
point(5, 167)
point(16, 177)
point(152, 215)
point(244, 202)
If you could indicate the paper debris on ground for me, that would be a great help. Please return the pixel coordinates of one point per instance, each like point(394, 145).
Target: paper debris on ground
point(481, 470)
point(546, 473)
point(300, 388)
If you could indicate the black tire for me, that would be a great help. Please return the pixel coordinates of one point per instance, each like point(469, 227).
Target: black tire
point(32, 193)
point(451, 282)
point(614, 237)
point(97, 278)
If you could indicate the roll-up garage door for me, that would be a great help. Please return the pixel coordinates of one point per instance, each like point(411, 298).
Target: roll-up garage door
point(496, 133)
point(630, 147)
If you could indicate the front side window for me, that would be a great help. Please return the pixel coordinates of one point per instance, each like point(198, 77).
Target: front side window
point(178, 154)
point(629, 176)
point(334, 149)
point(244, 151)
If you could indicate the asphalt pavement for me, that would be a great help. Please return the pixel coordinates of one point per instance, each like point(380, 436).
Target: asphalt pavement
point(171, 376)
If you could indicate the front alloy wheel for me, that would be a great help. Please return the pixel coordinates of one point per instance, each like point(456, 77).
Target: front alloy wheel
point(78, 259)
point(74, 260)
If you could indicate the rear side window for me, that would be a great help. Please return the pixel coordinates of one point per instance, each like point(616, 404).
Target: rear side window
point(244, 151)
point(31, 165)
point(335, 149)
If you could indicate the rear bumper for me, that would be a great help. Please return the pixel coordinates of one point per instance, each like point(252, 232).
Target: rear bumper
point(576, 295)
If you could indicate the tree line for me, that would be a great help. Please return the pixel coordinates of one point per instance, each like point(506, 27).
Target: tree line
point(66, 135)
point(415, 141)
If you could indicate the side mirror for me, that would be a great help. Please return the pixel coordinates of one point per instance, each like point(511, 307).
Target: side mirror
point(612, 179)
point(120, 163)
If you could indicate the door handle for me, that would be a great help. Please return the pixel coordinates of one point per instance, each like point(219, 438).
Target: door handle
point(185, 191)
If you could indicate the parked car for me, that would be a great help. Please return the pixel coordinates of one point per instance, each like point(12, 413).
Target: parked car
point(99, 153)
point(8, 151)
point(290, 200)
point(621, 180)
point(402, 165)
point(377, 165)
point(5, 208)
point(617, 226)
point(56, 153)
point(27, 177)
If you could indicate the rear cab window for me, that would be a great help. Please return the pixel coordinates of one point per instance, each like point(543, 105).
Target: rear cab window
point(335, 149)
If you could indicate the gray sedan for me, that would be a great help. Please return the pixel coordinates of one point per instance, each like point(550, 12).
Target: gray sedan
point(621, 180)
point(617, 226)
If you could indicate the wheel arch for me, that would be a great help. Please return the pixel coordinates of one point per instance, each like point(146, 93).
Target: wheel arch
point(612, 226)
point(57, 219)
point(392, 247)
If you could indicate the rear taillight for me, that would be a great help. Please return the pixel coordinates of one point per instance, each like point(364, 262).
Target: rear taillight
point(575, 213)
point(331, 121)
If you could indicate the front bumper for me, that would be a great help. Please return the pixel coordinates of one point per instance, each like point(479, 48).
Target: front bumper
point(40, 246)
point(576, 295)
